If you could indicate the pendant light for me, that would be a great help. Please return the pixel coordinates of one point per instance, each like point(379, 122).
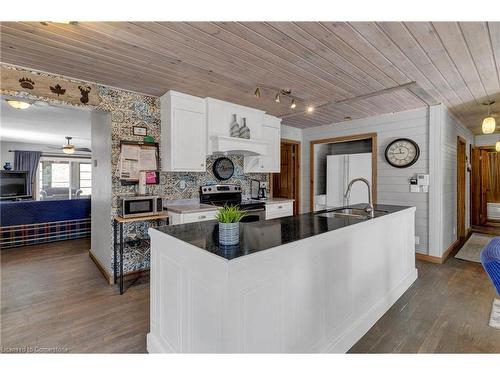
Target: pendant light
point(497, 146)
point(293, 105)
point(489, 123)
point(257, 93)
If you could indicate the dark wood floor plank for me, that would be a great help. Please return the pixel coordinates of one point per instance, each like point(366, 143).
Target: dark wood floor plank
point(53, 295)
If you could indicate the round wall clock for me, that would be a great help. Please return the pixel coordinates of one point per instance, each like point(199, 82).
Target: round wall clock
point(223, 168)
point(402, 153)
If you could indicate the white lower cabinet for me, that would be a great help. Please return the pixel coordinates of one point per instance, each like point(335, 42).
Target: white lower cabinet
point(275, 210)
point(192, 217)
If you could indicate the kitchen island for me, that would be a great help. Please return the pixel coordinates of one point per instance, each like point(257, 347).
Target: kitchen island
point(305, 283)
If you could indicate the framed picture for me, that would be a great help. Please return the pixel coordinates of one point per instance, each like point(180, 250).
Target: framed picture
point(140, 130)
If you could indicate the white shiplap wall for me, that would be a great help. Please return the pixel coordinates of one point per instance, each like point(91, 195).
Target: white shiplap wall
point(486, 139)
point(451, 129)
point(293, 134)
point(392, 183)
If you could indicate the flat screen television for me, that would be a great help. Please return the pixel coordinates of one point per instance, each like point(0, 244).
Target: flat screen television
point(13, 184)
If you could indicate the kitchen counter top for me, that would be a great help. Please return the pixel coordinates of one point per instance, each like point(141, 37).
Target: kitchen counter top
point(320, 286)
point(265, 234)
point(277, 200)
point(185, 208)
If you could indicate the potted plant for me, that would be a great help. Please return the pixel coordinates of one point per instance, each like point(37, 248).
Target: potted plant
point(229, 224)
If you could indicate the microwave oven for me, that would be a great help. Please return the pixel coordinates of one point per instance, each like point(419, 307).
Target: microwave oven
point(140, 205)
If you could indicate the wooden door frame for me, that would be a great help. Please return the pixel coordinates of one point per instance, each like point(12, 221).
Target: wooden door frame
point(461, 189)
point(347, 138)
point(296, 172)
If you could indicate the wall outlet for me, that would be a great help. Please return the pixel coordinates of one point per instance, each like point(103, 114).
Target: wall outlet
point(417, 240)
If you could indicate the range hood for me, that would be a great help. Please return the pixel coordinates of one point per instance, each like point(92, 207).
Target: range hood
point(238, 146)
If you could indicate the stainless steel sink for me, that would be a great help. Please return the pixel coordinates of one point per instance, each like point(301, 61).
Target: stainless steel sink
point(356, 213)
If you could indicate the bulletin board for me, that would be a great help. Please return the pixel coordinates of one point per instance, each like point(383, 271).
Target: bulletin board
point(136, 157)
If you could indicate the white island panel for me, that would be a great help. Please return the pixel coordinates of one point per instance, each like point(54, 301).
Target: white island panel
point(318, 294)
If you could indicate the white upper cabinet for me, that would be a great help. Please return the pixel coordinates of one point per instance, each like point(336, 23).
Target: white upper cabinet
point(270, 162)
point(183, 133)
point(220, 116)
point(192, 128)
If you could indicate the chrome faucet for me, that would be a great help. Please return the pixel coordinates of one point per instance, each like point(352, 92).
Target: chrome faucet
point(369, 207)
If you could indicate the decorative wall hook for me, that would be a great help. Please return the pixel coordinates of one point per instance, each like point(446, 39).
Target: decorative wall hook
point(57, 89)
point(84, 90)
point(27, 83)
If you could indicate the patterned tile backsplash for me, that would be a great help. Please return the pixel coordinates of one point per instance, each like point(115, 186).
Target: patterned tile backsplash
point(172, 188)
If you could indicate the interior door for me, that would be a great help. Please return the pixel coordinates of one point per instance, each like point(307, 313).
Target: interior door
point(479, 186)
point(285, 183)
point(461, 166)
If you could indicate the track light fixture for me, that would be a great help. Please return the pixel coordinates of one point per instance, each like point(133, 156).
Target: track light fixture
point(277, 98)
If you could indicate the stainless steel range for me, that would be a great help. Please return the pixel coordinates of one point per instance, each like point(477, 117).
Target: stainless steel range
point(230, 194)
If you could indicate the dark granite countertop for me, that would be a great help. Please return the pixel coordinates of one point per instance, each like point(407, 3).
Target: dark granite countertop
point(265, 234)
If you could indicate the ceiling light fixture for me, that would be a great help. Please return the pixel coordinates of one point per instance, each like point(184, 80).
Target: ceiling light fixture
point(46, 23)
point(293, 105)
point(489, 123)
point(69, 148)
point(277, 98)
point(18, 104)
point(257, 93)
point(497, 146)
point(310, 108)
point(347, 118)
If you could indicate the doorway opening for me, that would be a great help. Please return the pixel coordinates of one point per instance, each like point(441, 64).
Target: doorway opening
point(286, 184)
point(485, 190)
point(334, 162)
point(461, 181)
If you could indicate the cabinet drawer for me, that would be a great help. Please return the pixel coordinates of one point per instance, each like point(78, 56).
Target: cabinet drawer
point(275, 210)
point(198, 216)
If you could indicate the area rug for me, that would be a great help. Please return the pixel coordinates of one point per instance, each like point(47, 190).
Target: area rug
point(472, 248)
point(495, 314)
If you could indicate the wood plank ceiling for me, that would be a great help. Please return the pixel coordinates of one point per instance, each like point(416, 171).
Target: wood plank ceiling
point(457, 64)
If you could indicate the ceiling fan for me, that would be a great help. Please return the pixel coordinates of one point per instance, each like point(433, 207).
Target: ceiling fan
point(70, 149)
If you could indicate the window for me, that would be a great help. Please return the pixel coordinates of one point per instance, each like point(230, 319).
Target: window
point(85, 178)
point(64, 179)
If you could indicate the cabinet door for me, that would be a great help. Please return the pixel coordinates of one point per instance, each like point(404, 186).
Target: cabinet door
point(360, 165)
point(269, 163)
point(335, 180)
point(188, 140)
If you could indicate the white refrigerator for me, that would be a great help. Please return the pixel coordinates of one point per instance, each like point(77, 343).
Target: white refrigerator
point(340, 170)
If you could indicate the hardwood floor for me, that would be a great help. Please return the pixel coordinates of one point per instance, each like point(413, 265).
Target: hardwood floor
point(445, 311)
point(54, 296)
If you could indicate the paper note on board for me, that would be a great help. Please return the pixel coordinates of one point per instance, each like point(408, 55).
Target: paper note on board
point(147, 159)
